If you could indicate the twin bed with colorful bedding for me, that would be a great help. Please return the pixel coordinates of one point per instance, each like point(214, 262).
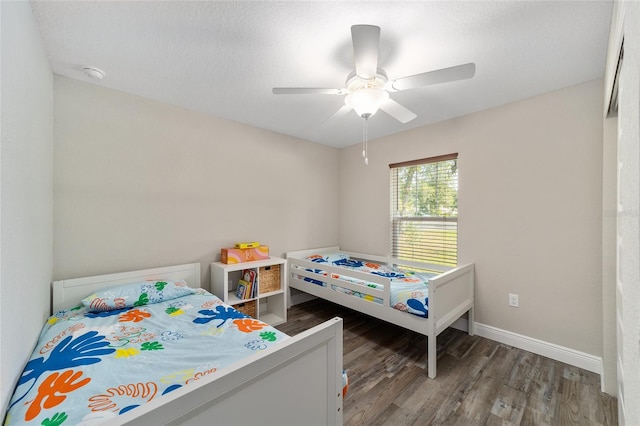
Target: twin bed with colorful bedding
point(408, 289)
point(422, 297)
point(157, 351)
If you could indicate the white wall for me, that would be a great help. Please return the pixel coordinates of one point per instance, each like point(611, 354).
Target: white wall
point(26, 189)
point(530, 207)
point(142, 184)
point(628, 253)
point(609, 207)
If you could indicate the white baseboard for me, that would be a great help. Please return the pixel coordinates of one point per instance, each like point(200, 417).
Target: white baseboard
point(550, 350)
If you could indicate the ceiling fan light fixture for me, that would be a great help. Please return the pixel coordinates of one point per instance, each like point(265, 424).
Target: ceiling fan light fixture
point(367, 101)
point(367, 87)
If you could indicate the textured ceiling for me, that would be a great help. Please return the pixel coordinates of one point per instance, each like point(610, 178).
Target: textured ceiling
point(224, 57)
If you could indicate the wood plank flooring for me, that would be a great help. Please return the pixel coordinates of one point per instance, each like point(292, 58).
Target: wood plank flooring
point(479, 381)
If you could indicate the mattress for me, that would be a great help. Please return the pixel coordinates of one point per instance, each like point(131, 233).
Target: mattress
point(91, 365)
point(409, 289)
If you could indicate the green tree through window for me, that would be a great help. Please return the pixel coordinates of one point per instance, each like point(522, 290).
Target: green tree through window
point(424, 210)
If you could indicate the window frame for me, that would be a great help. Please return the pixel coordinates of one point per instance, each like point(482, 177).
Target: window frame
point(427, 249)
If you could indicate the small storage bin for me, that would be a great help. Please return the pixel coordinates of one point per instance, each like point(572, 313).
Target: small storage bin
point(237, 255)
point(247, 308)
point(269, 279)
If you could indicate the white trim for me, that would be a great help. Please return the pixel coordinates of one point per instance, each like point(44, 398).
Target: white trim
point(602, 372)
point(550, 350)
point(612, 60)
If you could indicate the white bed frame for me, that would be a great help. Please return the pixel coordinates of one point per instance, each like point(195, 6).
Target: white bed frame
point(298, 381)
point(450, 293)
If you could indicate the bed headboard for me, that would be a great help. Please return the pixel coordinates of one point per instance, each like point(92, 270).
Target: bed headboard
point(69, 293)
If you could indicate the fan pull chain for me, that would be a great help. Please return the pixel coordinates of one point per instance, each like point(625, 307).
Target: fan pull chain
point(365, 141)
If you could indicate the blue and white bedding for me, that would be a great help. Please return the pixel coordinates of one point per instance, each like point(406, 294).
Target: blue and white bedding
point(409, 289)
point(126, 346)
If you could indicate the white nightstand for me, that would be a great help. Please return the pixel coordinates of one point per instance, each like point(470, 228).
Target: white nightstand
point(270, 301)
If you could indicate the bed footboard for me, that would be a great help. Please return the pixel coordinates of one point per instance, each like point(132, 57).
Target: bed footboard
point(297, 382)
point(451, 294)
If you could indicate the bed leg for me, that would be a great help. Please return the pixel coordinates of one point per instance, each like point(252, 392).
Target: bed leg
point(431, 356)
point(472, 323)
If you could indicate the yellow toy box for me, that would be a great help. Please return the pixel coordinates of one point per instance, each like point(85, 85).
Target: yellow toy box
point(240, 255)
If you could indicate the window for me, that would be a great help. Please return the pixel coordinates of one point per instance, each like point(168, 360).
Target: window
point(424, 210)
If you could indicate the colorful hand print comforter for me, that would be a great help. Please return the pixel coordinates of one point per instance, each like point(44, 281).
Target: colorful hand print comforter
point(89, 366)
point(408, 288)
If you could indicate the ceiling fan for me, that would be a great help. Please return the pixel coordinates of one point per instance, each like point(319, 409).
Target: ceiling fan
point(367, 88)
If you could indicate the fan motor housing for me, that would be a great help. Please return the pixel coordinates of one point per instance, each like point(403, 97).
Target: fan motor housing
point(355, 83)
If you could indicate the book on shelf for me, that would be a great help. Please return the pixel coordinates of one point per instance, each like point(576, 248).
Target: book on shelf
point(250, 276)
point(245, 290)
point(241, 290)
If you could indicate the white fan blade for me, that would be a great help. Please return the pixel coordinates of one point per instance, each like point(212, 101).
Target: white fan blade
point(366, 39)
point(305, 91)
point(459, 72)
point(344, 110)
point(397, 111)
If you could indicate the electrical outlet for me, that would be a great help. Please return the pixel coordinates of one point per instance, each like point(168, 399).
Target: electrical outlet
point(513, 300)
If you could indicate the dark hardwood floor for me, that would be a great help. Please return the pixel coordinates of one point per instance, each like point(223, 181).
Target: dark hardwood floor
point(479, 381)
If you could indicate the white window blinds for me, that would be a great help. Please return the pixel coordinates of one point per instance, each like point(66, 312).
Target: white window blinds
point(424, 210)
